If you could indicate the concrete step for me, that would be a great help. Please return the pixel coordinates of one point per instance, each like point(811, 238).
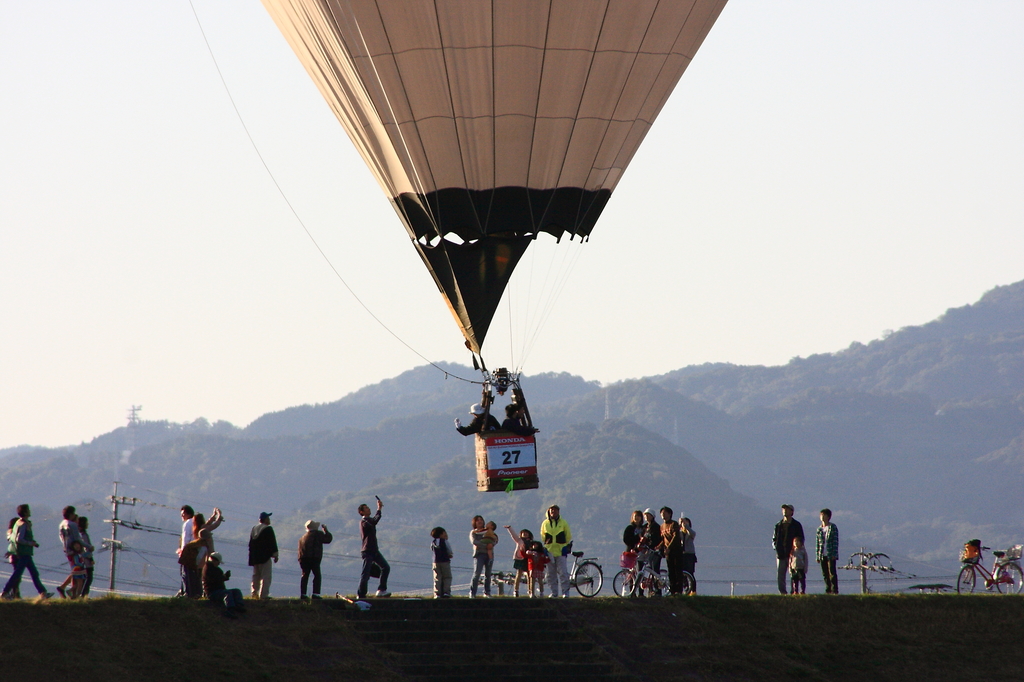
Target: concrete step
point(453, 603)
point(448, 648)
point(513, 676)
point(489, 671)
point(503, 624)
point(480, 636)
point(473, 658)
point(452, 640)
point(461, 615)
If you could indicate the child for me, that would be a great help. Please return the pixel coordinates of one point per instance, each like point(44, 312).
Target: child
point(537, 559)
point(442, 563)
point(12, 551)
point(798, 567)
point(490, 537)
point(78, 571)
point(519, 560)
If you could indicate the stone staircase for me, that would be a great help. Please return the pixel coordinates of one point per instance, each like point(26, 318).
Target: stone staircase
point(483, 639)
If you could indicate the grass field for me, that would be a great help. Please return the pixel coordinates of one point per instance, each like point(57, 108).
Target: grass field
point(920, 637)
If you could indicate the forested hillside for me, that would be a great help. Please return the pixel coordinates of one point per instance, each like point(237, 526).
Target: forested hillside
point(971, 353)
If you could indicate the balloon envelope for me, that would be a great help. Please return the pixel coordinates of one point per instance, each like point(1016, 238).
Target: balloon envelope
point(487, 122)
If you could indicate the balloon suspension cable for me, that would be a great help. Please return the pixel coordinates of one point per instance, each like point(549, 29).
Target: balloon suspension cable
point(298, 219)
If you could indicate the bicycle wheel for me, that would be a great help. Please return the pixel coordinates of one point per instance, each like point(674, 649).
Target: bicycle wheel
point(689, 583)
point(589, 579)
point(1009, 579)
point(967, 580)
point(656, 584)
point(624, 583)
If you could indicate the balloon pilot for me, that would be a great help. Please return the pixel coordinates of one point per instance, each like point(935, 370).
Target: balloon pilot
point(517, 414)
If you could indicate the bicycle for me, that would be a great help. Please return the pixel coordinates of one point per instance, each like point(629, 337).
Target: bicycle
point(1006, 575)
point(634, 581)
point(586, 576)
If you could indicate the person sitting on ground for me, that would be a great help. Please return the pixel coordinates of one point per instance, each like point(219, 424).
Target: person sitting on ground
point(515, 420)
point(482, 421)
point(215, 589)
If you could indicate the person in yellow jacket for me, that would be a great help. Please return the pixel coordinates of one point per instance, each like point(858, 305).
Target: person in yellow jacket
point(557, 537)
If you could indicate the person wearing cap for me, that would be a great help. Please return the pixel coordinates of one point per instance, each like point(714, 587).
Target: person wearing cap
point(214, 587)
point(263, 555)
point(652, 540)
point(311, 553)
point(557, 538)
point(482, 421)
point(785, 530)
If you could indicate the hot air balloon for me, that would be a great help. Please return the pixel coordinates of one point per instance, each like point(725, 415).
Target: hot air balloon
point(490, 122)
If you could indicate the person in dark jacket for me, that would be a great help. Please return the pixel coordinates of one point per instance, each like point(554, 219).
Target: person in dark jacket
point(482, 421)
point(371, 552)
point(515, 420)
point(262, 556)
point(785, 530)
point(634, 531)
point(311, 552)
point(214, 587)
point(652, 540)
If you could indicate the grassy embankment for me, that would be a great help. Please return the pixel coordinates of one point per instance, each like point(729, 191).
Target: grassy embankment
point(936, 637)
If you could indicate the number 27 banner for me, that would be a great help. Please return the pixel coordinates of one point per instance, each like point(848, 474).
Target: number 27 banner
point(509, 455)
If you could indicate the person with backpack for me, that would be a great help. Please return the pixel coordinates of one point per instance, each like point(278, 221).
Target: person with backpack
point(21, 544)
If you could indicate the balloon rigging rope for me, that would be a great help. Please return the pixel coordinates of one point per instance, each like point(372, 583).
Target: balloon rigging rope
point(295, 213)
point(563, 272)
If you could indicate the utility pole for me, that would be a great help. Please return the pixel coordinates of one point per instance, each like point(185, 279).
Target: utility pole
point(114, 544)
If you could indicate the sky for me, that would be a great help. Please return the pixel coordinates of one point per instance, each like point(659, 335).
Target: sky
point(824, 172)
